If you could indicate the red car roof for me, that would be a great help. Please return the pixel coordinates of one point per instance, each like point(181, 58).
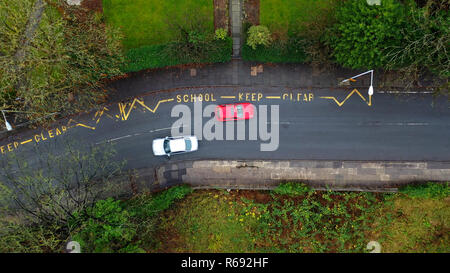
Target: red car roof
point(232, 111)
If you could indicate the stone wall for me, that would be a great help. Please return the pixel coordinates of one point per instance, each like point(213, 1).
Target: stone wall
point(258, 174)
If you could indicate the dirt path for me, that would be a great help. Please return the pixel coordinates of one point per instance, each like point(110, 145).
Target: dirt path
point(221, 14)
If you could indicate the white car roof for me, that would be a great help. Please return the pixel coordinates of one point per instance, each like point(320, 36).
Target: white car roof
point(177, 145)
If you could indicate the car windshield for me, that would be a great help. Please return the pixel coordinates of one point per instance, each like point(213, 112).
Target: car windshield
point(240, 111)
point(188, 144)
point(166, 146)
point(219, 113)
point(229, 111)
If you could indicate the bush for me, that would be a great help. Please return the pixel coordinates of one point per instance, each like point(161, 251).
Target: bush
point(113, 226)
point(143, 206)
point(16, 237)
point(428, 191)
point(156, 56)
point(106, 227)
point(278, 52)
point(364, 35)
point(292, 189)
point(145, 57)
point(221, 34)
point(258, 35)
point(427, 43)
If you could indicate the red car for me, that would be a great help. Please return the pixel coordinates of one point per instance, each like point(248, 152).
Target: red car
point(235, 111)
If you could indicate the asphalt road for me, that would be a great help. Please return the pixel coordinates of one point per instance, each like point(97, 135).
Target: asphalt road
point(394, 127)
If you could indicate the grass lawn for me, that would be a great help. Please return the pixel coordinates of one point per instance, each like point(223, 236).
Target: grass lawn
point(148, 22)
point(284, 17)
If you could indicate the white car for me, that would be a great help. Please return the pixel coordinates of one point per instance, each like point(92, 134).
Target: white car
point(175, 145)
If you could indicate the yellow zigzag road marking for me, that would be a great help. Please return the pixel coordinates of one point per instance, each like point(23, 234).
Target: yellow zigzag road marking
point(124, 114)
point(349, 95)
point(78, 124)
point(99, 113)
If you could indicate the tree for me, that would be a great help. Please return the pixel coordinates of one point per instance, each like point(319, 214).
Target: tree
point(364, 35)
point(51, 185)
point(53, 57)
point(427, 42)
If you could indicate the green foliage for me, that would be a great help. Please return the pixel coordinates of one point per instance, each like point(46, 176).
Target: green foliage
point(150, 207)
point(258, 35)
point(429, 190)
point(220, 34)
point(106, 227)
point(113, 226)
point(16, 237)
point(67, 57)
point(163, 200)
point(426, 42)
point(278, 52)
point(147, 57)
point(365, 35)
point(292, 189)
point(318, 222)
point(156, 56)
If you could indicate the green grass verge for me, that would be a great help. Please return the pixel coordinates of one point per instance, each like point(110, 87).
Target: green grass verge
point(409, 223)
point(151, 22)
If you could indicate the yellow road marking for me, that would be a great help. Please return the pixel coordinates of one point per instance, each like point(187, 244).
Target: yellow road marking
point(126, 114)
point(26, 141)
point(273, 97)
point(227, 97)
point(99, 113)
point(85, 126)
point(348, 96)
point(78, 124)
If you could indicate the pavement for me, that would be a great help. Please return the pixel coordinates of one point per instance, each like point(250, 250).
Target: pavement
point(240, 73)
point(318, 120)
